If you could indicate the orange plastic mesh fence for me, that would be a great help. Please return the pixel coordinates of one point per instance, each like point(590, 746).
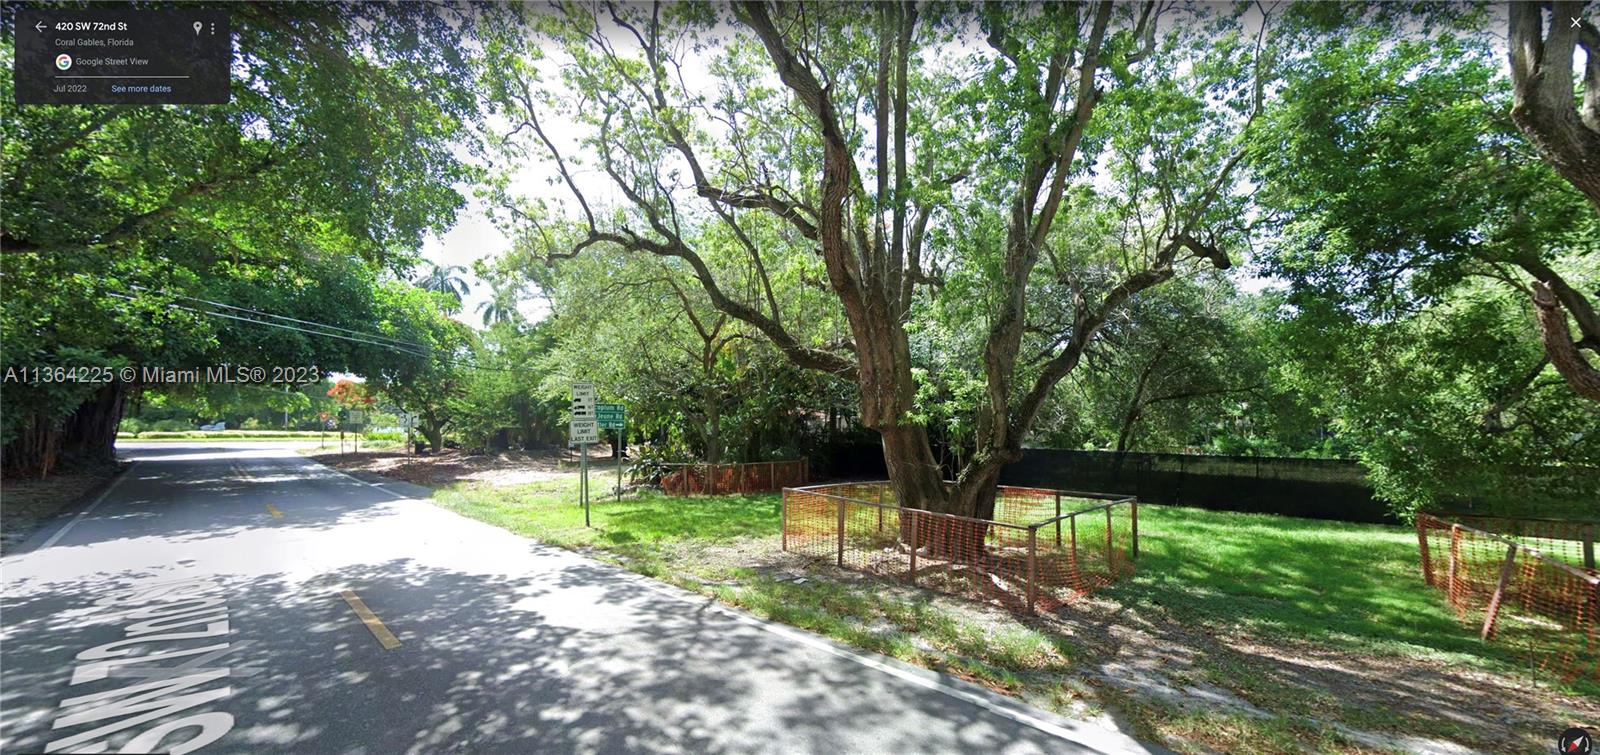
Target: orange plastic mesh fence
point(1514, 593)
point(721, 479)
point(1567, 541)
point(1028, 558)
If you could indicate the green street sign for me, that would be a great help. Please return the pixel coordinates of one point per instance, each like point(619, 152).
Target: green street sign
point(610, 416)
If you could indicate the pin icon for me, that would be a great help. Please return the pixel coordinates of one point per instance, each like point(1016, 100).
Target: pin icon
point(197, 26)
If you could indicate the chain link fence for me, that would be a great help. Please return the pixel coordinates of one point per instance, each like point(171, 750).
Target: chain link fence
point(1043, 547)
point(1530, 584)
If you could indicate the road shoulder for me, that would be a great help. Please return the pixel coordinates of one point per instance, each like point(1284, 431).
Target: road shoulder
point(33, 510)
point(1088, 735)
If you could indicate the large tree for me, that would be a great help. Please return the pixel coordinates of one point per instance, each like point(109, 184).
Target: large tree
point(1567, 135)
point(322, 174)
point(1414, 222)
point(902, 156)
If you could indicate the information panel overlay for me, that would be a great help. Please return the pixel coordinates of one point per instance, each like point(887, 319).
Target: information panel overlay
point(133, 57)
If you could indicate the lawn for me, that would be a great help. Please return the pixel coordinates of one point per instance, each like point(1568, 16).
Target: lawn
point(1239, 632)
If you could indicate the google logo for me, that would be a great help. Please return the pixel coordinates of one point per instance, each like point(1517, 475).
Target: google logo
point(63, 61)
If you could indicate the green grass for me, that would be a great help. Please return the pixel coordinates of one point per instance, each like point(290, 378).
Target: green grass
point(224, 435)
point(1355, 588)
point(1352, 585)
point(548, 511)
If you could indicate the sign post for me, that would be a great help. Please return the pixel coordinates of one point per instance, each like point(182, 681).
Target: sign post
point(614, 417)
point(409, 422)
point(358, 421)
point(583, 430)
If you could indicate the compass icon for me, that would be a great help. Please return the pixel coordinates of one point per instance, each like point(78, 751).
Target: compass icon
point(1575, 741)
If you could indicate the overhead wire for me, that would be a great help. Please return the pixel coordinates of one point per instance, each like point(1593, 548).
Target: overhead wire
point(405, 347)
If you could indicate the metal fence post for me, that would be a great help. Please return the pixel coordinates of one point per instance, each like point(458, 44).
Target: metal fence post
point(1133, 506)
point(880, 508)
point(783, 518)
point(1422, 547)
point(911, 576)
point(841, 531)
point(1111, 550)
point(1455, 555)
point(1493, 611)
point(1588, 547)
point(1033, 566)
point(1077, 578)
point(1058, 519)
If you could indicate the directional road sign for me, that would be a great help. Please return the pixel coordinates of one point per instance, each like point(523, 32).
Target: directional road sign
point(610, 416)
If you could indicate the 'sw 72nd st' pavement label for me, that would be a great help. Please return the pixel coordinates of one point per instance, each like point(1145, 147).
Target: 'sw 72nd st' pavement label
point(174, 633)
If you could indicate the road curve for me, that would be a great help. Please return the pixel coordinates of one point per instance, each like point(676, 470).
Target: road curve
point(232, 598)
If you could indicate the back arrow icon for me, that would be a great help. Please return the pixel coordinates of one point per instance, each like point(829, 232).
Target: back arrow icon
point(39, 26)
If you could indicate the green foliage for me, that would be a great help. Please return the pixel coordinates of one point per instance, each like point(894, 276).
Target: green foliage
point(697, 384)
point(1407, 209)
point(327, 168)
point(426, 375)
point(505, 391)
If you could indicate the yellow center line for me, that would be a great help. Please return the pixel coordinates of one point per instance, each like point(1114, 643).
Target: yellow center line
point(385, 637)
point(273, 510)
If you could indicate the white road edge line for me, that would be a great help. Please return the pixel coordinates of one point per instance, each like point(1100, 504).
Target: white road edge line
point(343, 473)
point(126, 473)
point(935, 684)
point(827, 646)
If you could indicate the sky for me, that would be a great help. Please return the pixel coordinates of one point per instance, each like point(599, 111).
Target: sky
point(475, 237)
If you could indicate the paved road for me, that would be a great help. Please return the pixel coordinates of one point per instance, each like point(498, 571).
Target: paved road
point(204, 603)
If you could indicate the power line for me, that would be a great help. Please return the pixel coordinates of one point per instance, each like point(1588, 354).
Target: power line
point(396, 341)
point(393, 344)
point(285, 327)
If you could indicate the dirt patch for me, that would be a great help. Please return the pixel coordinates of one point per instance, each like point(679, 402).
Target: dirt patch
point(451, 466)
point(1167, 668)
point(27, 503)
point(1382, 700)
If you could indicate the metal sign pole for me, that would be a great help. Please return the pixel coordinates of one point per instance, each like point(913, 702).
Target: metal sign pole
point(621, 457)
point(583, 484)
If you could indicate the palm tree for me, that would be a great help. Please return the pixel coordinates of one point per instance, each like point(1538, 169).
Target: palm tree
point(501, 307)
point(445, 280)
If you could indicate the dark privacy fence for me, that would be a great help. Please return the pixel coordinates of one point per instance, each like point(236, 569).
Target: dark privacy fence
point(1312, 488)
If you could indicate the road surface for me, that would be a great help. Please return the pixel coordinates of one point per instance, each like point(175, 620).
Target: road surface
point(233, 598)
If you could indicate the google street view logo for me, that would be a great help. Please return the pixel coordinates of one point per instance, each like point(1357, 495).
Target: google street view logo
point(63, 61)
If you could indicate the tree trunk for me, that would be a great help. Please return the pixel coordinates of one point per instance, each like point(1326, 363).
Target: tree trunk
point(713, 431)
point(525, 424)
point(435, 435)
point(1543, 104)
point(1582, 377)
point(33, 452)
point(91, 431)
point(973, 498)
point(914, 475)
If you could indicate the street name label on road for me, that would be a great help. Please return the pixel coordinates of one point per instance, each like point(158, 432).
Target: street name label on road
point(172, 620)
point(610, 416)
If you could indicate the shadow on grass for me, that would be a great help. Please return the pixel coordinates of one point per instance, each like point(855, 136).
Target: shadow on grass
point(1311, 578)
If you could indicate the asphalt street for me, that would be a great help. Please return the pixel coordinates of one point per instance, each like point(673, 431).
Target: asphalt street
point(245, 599)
